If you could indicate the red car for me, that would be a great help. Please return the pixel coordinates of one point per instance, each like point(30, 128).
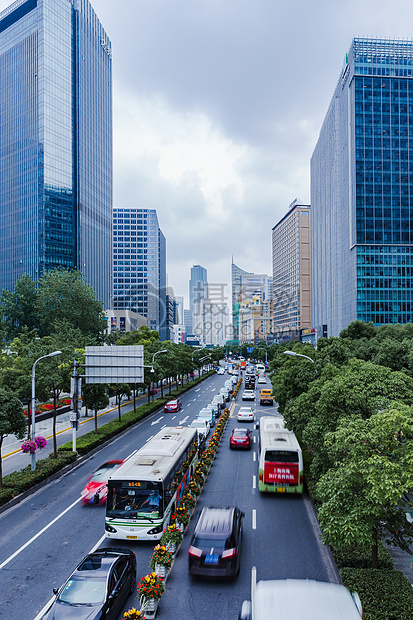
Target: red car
point(96, 490)
point(172, 406)
point(241, 438)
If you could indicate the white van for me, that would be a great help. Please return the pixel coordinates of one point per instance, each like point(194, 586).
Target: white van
point(294, 599)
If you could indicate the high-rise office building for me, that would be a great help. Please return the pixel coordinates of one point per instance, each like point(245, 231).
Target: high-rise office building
point(198, 291)
point(291, 273)
point(55, 142)
point(362, 191)
point(247, 287)
point(139, 266)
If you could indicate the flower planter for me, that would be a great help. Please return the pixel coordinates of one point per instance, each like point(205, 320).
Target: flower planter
point(171, 546)
point(150, 607)
point(161, 570)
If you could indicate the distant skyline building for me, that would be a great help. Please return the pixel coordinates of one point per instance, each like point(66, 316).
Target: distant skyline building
point(246, 287)
point(139, 266)
point(291, 265)
point(198, 291)
point(55, 143)
point(362, 191)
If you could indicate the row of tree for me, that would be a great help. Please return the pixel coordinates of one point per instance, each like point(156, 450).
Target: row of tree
point(352, 409)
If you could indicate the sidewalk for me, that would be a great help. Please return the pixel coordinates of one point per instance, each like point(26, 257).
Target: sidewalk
point(402, 562)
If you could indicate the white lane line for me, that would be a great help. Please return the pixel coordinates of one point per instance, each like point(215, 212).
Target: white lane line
point(164, 426)
point(254, 519)
point(254, 482)
point(253, 582)
point(197, 389)
point(29, 542)
point(254, 456)
point(182, 421)
point(50, 601)
point(173, 417)
point(157, 421)
point(194, 400)
point(149, 438)
point(255, 439)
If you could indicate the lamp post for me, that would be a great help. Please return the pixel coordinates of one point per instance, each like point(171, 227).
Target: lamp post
point(153, 357)
point(200, 360)
point(33, 401)
point(294, 354)
point(265, 351)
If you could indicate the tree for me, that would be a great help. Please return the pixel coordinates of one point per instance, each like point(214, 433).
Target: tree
point(365, 494)
point(121, 389)
point(95, 397)
point(359, 329)
point(20, 307)
point(12, 420)
point(64, 295)
point(143, 336)
point(359, 389)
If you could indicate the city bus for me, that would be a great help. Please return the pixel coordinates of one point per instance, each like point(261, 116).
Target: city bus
point(146, 489)
point(280, 463)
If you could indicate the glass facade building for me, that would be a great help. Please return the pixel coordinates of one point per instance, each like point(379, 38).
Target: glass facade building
point(362, 191)
point(55, 142)
point(139, 266)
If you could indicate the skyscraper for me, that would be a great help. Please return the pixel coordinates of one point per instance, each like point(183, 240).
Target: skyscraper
point(198, 290)
point(291, 273)
point(55, 142)
point(362, 191)
point(139, 266)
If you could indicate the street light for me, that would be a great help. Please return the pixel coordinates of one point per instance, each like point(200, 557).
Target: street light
point(33, 401)
point(265, 350)
point(152, 369)
point(200, 360)
point(299, 355)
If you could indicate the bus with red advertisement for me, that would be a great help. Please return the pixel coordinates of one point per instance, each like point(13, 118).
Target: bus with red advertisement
point(280, 463)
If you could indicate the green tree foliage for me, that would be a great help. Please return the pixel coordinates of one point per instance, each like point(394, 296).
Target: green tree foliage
point(359, 329)
point(12, 420)
point(365, 492)
point(19, 307)
point(95, 397)
point(359, 389)
point(64, 295)
point(143, 336)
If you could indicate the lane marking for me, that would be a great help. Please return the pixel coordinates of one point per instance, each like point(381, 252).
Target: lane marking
point(174, 417)
point(253, 581)
point(254, 482)
point(254, 519)
point(254, 456)
point(157, 421)
point(29, 542)
point(183, 421)
point(255, 439)
point(149, 438)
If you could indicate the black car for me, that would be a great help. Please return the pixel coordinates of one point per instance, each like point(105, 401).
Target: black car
point(97, 588)
point(216, 544)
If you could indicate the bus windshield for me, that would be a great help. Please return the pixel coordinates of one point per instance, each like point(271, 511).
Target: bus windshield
point(134, 500)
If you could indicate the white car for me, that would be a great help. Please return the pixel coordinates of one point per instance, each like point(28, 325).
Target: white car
point(202, 427)
point(248, 395)
point(245, 414)
point(220, 371)
point(262, 379)
point(225, 393)
point(208, 415)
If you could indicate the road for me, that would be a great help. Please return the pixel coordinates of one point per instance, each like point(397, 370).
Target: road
point(48, 533)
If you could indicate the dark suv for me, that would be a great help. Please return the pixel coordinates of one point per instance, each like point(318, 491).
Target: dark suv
point(216, 544)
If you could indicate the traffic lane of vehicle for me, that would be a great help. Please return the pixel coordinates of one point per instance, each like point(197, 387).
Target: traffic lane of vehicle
point(16, 460)
point(279, 541)
point(26, 519)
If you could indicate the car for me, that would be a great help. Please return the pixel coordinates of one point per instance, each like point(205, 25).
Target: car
point(225, 393)
point(301, 598)
point(96, 489)
point(221, 371)
point(262, 379)
point(214, 408)
point(172, 406)
point(228, 384)
point(219, 400)
point(97, 588)
point(248, 395)
point(241, 438)
point(206, 414)
point(202, 427)
point(215, 549)
point(245, 414)
point(266, 397)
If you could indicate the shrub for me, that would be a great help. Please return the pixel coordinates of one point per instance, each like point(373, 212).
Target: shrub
point(22, 480)
point(357, 557)
point(384, 594)
point(6, 495)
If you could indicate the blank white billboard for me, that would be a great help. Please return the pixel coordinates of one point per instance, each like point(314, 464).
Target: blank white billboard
point(112, 364)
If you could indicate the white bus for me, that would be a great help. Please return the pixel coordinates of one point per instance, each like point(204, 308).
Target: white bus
point(146, 489)
point(280, 464)
point(260, 369)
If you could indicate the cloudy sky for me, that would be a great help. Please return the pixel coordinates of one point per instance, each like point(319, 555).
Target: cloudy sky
point(217, 109)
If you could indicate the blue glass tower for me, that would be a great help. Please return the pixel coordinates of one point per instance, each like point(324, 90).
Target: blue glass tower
point(55, 142)
point(362, 191)
point(139, 266)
